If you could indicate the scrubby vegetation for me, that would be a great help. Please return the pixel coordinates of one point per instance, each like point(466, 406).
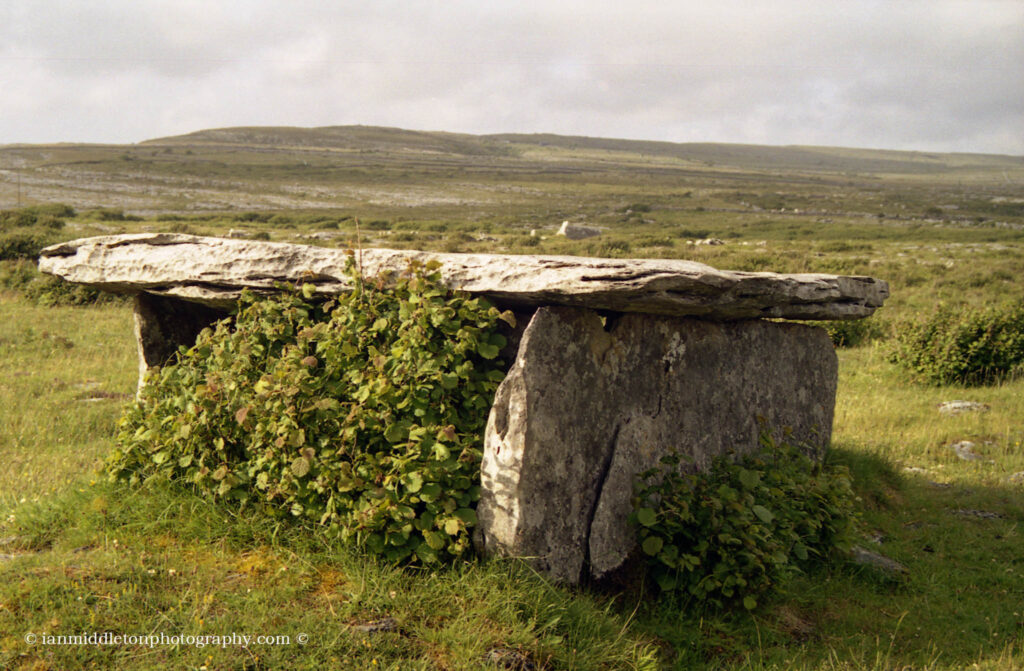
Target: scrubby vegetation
point(954, 345)
point(363, 415)
point(855, 332)
point(739, 529)
point(21, 276)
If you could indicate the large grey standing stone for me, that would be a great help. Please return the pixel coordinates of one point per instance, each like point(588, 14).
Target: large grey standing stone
point(591, 402)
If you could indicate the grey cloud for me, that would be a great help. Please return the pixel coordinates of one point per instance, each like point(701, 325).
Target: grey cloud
point(937, 74)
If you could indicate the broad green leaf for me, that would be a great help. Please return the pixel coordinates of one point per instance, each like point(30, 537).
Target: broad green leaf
point(646, 516)
point(430, 492)
point(300, 467)
point(667, 582)
point(396, 433)
point(435, 540)
point(652, 545)
point(467, 515)
point(749, 479)
point(413, 481)
point(487, 350)
point(763, 514)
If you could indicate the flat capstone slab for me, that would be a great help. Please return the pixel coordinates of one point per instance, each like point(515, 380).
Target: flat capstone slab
point(213, 271)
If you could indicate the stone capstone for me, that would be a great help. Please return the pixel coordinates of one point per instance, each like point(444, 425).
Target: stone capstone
point(213, 271)
point(591, 402)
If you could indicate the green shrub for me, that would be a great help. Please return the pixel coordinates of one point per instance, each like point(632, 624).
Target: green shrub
point(59, 210)
point(956, 345)
point(49, 216)
point(111, 214)
point(50, 291)
point(22, 276)
point(50, 222)
point(655, 241)
point(16, 275)
point(23, 244)
point(609, 248)
point(364, 414)
point(16, 219)
point(257, 217)
point(854, 332)
point(739, 529)
point(181, 227)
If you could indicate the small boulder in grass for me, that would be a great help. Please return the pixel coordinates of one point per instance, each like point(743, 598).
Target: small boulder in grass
point(577, 231)
point(865, 557)
point(960, 407)
point(964, 449)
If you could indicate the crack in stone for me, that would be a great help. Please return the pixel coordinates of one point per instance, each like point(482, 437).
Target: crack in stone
point(602, 479)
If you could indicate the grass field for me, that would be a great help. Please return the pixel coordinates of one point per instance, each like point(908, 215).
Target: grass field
point(80, 555)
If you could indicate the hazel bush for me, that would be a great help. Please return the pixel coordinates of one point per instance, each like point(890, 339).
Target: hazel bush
point(962, 345)
point(739, 529)
point(362, 415)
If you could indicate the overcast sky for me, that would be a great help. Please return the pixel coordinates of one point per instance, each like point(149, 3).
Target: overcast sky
point(932, 75)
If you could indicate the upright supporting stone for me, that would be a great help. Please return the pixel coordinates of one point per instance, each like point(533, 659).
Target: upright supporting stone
point(163, 324)
point(591, 402)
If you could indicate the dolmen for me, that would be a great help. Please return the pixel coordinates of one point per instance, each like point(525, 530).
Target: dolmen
point(616, 363)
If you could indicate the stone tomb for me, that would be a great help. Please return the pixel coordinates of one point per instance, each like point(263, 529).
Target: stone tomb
point(616, 362)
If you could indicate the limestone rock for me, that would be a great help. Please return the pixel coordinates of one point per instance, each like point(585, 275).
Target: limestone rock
point(213, 271)
point(866, 557)
point(577, 231)
point(980, 514)
point(591, 402)
point(964, 449)
point(960, 407)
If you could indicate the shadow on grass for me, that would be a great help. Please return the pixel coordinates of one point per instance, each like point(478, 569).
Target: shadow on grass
point(958, 605)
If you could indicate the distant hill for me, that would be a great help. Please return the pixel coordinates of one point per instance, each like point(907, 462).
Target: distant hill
point(740, 156)
point(387, 173)
point(350, 138)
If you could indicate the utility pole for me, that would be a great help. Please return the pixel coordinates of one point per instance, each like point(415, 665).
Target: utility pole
point(19, 189)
